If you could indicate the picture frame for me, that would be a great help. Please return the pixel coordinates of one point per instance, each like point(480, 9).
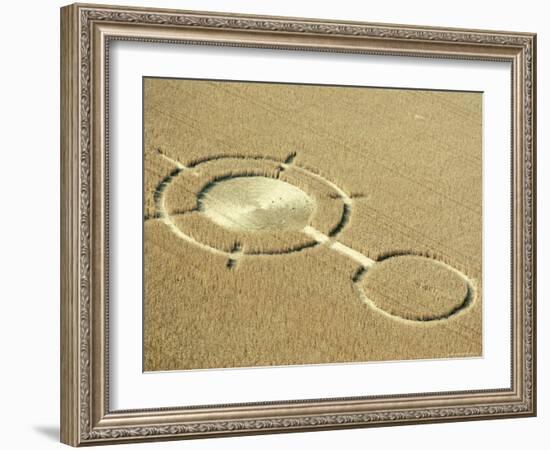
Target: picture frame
point(87, 415)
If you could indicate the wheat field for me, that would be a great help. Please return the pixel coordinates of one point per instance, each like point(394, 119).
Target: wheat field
point(301, 224)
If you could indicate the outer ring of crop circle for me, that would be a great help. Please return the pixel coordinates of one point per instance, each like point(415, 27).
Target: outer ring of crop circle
point(342, 195)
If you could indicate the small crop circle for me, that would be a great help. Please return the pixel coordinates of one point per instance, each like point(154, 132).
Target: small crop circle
point(416, 288)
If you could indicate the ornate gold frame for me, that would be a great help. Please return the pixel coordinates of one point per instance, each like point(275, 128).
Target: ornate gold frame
point(86, 31)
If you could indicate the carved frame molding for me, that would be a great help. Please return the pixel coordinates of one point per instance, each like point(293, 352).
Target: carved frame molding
point(86, 31)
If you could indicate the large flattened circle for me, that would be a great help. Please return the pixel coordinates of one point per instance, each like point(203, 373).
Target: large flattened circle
point(416, 288)
point(256, 204)
point(183, 200)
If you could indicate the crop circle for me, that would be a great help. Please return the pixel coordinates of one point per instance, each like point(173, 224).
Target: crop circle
point(416, 288)
point(256, 204)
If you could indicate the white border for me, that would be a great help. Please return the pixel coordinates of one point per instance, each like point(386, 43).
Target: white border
point(132, 389)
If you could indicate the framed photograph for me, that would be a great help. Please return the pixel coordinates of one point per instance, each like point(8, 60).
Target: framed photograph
point(273, 224)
